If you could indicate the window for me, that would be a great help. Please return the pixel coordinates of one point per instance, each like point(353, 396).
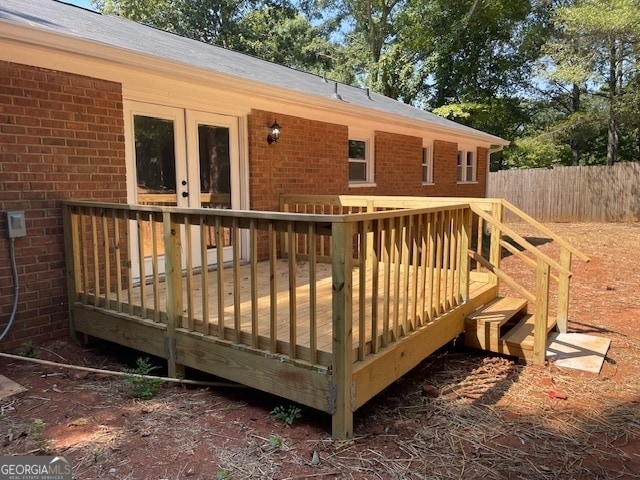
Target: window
point(427, 166)
point(466, 169)
point(360, 164)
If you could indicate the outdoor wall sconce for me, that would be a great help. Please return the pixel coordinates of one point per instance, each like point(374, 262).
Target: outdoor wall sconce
point(275, 133)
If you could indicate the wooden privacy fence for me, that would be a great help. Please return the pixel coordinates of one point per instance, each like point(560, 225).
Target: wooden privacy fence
point(569, 194)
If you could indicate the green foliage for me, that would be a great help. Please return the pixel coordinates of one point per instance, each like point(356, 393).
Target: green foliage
point(275, 441)
point(28, 349)
point(36, 431)
point(534, 152)
point(224, 475)
point(289, 415)
point(551, 75)
point(139, 386)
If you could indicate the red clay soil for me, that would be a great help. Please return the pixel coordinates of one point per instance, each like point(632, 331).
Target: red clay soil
point(459, 414)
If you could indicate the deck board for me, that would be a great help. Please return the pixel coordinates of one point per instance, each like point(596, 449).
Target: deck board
point(263, 304)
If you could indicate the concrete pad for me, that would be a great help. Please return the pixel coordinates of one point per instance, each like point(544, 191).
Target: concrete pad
point(577, 351)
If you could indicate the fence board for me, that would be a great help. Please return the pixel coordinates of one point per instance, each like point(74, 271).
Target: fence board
point(568, 194)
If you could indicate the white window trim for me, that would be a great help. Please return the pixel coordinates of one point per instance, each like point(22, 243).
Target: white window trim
point(463, 152)
point(367, 138)
point(428, 146)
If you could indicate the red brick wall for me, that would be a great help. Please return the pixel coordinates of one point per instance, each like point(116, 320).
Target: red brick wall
point(61, 137)
point(397, 166)
point(445, 161)
point(309, 158)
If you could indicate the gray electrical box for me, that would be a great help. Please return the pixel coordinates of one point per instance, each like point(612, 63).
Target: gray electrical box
point(16, 224)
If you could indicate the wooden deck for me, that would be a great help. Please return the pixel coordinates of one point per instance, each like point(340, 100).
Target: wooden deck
point(194, 320)
point(325, 303)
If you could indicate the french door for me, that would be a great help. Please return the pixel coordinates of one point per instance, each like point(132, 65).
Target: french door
point(183, 158)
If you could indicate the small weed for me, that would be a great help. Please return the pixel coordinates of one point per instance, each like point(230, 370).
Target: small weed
point(28, 349)
point(96, 453)
point(36, 431)
point(139, 386)
point(223, 476)
point(275, 441)
point(288, 416)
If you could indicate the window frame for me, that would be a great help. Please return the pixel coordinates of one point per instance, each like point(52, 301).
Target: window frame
point(467, 159)
point(368, 161)
point(427, 164)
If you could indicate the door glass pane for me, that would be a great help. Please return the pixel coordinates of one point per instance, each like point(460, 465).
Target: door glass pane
point(215, 174)
point(155, 173)
point(155, 160)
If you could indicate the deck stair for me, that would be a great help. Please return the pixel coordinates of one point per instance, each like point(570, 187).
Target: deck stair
point(503, 326)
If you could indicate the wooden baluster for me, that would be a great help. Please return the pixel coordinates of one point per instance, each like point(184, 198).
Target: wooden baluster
point(313, 295)
point(496, 235)
point(465, 262)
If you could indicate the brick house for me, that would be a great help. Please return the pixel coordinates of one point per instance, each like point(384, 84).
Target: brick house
point(100, 108)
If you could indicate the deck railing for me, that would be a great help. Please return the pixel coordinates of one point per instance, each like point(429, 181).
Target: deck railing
point(410, 265)
point(390, 268)
point(491, 239)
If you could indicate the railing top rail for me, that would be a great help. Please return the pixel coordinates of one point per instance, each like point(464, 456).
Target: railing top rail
point(532, 221)
point(382, 201)
point(524, 243)
point(266, 215)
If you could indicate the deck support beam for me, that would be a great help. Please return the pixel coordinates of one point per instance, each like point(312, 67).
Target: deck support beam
point(342, 369)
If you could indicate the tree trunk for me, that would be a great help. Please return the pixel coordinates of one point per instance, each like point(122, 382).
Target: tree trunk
point(615, 90)
point(575, 144)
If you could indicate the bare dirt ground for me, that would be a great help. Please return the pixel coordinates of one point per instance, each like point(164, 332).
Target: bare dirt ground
point(459, 414)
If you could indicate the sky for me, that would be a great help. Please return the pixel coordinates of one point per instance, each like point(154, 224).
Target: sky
point(80, 3)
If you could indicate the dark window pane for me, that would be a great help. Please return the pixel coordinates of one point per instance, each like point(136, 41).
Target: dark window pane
point(357, 171)
point(357, 149)
point(215, 171)
point(155, 154)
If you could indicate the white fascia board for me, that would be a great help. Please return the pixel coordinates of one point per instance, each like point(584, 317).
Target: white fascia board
point(253, 89)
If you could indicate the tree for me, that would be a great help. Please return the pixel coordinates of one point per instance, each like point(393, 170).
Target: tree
point(604, 33)
point(282, 35)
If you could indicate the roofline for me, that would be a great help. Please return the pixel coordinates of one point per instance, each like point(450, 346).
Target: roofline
point(98, 50)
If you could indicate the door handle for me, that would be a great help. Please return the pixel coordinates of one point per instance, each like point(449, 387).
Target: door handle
point(185, 194)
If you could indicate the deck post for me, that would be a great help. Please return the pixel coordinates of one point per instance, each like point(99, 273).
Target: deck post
point(340, 400)
point(542, 313)
point(465, 263)
point(563, 290)
point(72, 256)
point(496, 234)
point(173, 273)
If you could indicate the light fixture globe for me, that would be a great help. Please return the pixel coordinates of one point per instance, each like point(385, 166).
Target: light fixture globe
point(275, 133)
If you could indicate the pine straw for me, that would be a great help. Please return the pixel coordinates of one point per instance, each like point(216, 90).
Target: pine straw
point(464, 434)
point(493, 419)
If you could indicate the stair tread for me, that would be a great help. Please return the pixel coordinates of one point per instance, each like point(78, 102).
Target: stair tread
point(498, 311)
point(522, 332)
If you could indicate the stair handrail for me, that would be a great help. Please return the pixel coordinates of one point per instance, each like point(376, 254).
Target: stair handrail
point(543, 266)
point(521, 240)
point(533, 222)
